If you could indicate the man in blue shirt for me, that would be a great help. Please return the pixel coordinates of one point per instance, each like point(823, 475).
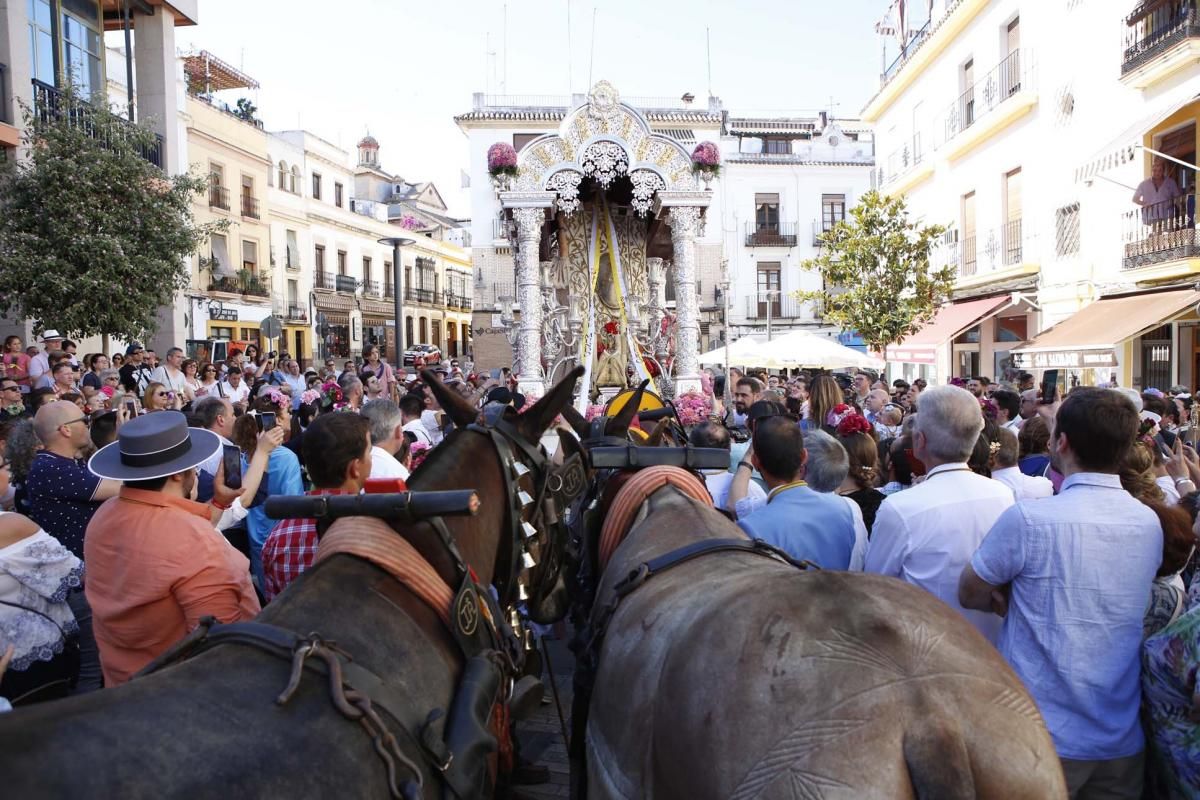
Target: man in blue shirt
point(1072, 576)
point(803, 523)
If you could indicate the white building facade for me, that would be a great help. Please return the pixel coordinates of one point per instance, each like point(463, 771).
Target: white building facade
point(1024, 129)
point(785, 180)
point(782, 180)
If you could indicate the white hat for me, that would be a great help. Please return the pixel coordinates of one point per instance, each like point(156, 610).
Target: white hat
point(50, 334)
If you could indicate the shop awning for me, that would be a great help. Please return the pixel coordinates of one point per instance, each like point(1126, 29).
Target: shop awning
point(1091, 336)
point(1124, 148)
point(951, 320)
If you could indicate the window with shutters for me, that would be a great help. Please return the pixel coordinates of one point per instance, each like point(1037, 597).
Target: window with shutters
point(766, 212)
point(833, 210)
point(769, 301)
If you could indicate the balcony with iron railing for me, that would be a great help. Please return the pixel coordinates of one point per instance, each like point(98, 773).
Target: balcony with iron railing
point(325, 280)
point(488, 295)
point(297, 313)
point(291, 260)
point(250, 206)
point(499, 230)
point(50, 103)
point(1156, 28)
point(372, 288)
point(987, 95)
point(218, 197)
point(782, 234)
point(247, 282)
point(775, 305)
point(1159, 233)
point(389, 290)
point(1001, 249)
point(903, 160)
point(413, 295)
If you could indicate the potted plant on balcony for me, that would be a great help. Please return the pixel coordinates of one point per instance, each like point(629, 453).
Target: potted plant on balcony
point(502, 165)
point(706, 162)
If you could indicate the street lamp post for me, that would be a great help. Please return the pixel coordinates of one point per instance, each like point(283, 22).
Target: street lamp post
point(396, 242)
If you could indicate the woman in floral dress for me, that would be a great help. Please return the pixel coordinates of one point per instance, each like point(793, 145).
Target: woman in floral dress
point(1171, 702)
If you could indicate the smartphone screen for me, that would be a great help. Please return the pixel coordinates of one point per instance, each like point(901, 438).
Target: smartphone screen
point(131, 405)
point(231, 458)
point(266, 420)
point(1049, 387)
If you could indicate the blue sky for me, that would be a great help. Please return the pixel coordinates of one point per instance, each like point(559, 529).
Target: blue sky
point(404, 69)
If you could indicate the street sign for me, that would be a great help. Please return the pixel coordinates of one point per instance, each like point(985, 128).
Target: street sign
point(272, 327)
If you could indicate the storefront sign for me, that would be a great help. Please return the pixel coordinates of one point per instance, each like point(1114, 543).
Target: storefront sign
point(219, 314)
point(1065, 359)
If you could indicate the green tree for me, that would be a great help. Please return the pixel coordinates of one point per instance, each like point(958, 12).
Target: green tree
point(94, 239)
point(876, 272)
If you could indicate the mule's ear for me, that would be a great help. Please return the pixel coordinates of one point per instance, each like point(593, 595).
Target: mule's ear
point(655, 438)
point(542, 413)
point(619, 425)
point(577, 421)
point(461, 412)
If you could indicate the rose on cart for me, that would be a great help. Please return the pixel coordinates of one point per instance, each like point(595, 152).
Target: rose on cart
point(692, 408)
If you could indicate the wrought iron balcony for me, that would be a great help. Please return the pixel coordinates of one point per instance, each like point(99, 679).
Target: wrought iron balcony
point(298, 313)
point(246, 282)
point(389, 290)
point(1157, 26)
point(782, 234)
point(372, 288)
point(904, 158)
point(291, 259)
point(325, 280)
point(412, 295)
point(218, 197)
point(987, 94)
point(773, 306)
point(50, 104)
point(250, 206)
point(1160, 232)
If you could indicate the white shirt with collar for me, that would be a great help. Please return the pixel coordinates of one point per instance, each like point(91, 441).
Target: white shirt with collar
point(1169, 488)
point(417, 429)
point(1013, 425)
point(385, 465)
point(927, 534)
point(237, 395)
point(174, 380)
point(1024, 487)
point(718, 482)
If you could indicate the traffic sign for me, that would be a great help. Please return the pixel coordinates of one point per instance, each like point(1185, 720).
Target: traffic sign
point(272, 327)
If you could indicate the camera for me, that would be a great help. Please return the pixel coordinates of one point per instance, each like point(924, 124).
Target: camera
point(266, 420)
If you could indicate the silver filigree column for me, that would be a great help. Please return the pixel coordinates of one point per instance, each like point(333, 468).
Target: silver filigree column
point(685, 227)
point(528, 355)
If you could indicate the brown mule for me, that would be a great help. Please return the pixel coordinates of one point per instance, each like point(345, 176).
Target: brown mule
point(737, 676)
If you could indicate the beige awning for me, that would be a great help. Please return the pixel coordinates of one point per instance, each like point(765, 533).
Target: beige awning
point(1090, 337)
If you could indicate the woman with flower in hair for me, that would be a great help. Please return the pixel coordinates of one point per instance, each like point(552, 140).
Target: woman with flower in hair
point(857, 436)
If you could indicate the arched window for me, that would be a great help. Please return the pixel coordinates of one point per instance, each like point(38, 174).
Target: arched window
point(294, 188)
point(283, 175)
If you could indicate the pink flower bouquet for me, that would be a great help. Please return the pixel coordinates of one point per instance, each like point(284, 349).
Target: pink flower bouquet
point(692, 408)
point(502, 159)
point(706, 158)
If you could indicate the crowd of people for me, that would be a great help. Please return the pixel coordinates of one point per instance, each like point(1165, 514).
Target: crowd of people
point(1060, 527)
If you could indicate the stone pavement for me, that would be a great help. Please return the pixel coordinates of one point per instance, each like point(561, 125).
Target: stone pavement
point(541, 735)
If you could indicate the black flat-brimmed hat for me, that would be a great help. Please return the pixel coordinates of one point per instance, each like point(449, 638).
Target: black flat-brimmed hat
point(154, 446)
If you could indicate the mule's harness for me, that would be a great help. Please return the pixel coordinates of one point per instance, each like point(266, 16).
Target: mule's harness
point(474, 617)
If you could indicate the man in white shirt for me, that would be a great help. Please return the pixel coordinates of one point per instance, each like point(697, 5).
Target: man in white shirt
point(1024, 487)
point(233, 387)
point(927, 534)
point(715, 435)
point(387, 437)
point(39, 365)
point(411, 406)
point(1156, 194)
point(170, 372)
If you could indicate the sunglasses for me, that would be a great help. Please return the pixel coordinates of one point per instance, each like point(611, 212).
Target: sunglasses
point(12, 388)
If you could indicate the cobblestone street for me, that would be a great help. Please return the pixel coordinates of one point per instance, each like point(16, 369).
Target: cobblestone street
point(541, 735)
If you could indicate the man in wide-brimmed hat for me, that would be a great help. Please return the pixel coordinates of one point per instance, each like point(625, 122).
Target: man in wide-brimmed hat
point(156, 565)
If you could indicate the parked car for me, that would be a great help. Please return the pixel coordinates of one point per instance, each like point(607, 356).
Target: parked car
point(428, 352)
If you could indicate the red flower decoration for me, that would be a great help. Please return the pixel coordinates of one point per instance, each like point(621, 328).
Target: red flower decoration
point(852, 424)
point(611, 328)
point(651, 367)
point(841, 408)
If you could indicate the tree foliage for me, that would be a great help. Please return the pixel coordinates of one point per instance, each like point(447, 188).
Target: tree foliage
point(876, 272)
point(94, 239)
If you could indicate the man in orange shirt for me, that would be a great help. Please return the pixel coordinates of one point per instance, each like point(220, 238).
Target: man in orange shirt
point(155, 563)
